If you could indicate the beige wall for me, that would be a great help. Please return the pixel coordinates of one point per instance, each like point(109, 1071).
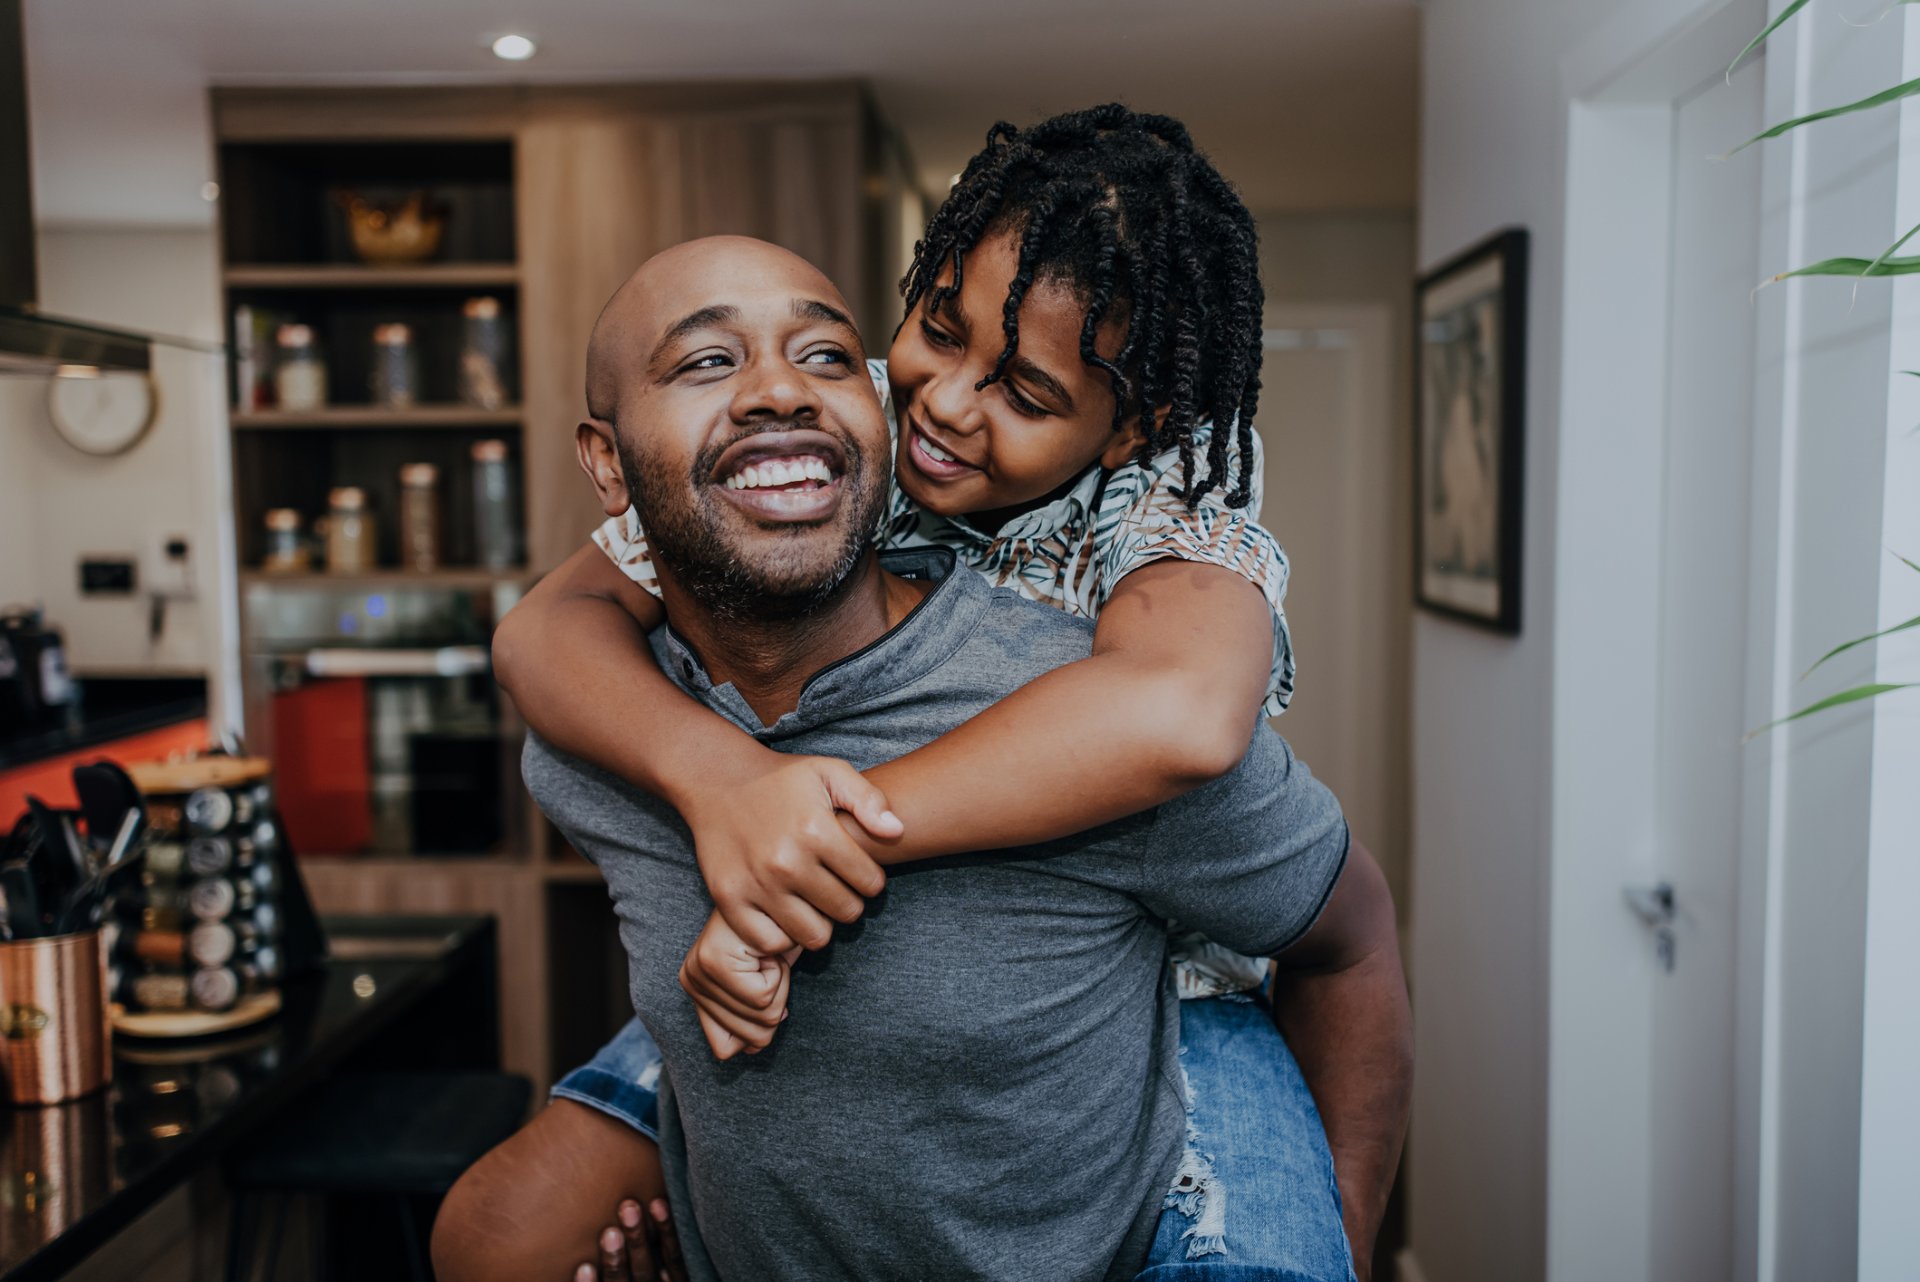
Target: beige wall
point(19, 412)
point(171, 484)
point(1359, 628)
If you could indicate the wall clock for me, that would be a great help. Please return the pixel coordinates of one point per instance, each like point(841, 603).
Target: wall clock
point(103, 413)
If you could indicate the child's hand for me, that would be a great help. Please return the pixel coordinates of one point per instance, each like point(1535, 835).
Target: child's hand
point(776, 857)
point(739, 992)
point(640, 1250)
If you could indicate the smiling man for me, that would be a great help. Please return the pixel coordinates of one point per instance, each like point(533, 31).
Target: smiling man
point(981, 1077)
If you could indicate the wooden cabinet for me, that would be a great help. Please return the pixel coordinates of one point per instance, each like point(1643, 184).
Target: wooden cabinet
point(557, 193)
point(609, 178)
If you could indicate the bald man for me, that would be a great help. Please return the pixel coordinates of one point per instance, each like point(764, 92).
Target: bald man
point(983, 1079)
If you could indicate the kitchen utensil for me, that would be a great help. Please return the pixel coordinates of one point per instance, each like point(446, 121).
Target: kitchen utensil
point(106, 794)
point(57, 863)
point(83, 906)
point(23, 900)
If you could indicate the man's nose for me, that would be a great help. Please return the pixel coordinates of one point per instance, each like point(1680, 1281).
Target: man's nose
point(773, 388)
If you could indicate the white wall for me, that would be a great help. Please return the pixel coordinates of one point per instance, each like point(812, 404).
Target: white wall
point(1493, 134)
point(62, 504)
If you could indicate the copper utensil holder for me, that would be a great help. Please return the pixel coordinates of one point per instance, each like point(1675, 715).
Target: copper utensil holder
point(55, 1043)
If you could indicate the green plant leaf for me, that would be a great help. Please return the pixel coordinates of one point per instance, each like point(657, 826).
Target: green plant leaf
point(1854, 695)
point(1838, 650)
point(1886, 255)
point(1852, 267)
point(1771, 27)
point(1909, 564)
point(1881, 99)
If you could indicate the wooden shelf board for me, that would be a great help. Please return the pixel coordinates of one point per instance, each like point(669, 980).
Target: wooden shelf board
point(363, 417)
point(452, 577)
point(357, 276)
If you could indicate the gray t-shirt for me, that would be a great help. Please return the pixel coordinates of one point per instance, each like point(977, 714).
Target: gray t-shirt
point(979, 1078)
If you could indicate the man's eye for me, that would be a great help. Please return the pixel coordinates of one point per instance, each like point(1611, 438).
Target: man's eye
point(828, 355)
point(936, 337)
point(713, 360)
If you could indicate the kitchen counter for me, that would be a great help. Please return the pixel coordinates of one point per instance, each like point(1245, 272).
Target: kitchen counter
point(397, 992)
point(112, 708)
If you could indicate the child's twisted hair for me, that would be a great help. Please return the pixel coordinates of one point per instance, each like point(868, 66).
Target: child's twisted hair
point(1121, 207)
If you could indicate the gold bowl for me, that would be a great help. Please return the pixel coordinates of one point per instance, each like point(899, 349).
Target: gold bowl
point(408, 232)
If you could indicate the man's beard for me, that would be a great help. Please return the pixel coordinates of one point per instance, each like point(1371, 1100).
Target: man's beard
point(687, 532)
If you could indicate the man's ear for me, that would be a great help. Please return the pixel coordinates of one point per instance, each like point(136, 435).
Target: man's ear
point(1124, 448)
point(600, 459)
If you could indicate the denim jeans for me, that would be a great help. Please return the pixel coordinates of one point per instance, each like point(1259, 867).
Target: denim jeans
point(1254, 1199)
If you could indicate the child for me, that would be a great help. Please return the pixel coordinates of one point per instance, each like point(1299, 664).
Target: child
point(1073, 389)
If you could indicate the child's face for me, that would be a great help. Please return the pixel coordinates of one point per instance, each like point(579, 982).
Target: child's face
point(996, 451)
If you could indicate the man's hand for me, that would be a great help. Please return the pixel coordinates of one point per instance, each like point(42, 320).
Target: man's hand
point(642, 1249)
point(739, 991)
point(778, 861)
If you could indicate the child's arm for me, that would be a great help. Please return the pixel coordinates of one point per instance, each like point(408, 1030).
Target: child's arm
point(573, 654)
point(1167, 701)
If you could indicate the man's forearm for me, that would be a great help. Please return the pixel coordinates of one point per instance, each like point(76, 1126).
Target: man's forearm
point(1341, 1003)
point(1352, 1034)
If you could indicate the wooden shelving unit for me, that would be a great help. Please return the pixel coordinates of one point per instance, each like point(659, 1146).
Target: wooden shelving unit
point(526, 175)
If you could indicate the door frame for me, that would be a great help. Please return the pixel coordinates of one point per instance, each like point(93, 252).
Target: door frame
point(1623, 85)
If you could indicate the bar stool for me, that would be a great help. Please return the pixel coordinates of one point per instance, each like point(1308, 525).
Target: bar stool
point(397, 1136)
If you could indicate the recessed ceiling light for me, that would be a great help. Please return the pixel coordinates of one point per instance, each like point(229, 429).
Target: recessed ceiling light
point(513, 48)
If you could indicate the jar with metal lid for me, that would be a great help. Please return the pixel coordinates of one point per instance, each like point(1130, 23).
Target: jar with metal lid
point(420, 516)
point(483, 354)
point(496, 538)
point(299, 375)
point(287, 551)
point(350, 542)
point(395, 377)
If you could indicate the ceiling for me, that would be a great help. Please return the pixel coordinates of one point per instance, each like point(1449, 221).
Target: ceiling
point(1306, 104)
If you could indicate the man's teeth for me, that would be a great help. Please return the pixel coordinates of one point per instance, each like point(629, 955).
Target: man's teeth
point(934, 452)
point(786, 471)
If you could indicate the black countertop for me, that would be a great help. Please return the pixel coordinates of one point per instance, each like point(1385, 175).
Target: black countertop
point(111, 708)
point(398, 992)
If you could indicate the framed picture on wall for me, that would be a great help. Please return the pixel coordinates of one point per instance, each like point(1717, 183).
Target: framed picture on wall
point(1471, 358)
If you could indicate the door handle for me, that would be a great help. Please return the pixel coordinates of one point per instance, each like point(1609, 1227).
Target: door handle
point(1656, 907)
point(1653, 905)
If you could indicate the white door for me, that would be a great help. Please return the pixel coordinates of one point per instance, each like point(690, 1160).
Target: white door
point(1648, 1148)
point(1337, 480)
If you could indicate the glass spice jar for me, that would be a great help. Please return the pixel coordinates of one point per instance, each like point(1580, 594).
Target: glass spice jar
point(395, 377)
point(350, 541)
point(483, 354)
point(287, 551)
point(495, 540)
point(420, 516)
point(299, 375)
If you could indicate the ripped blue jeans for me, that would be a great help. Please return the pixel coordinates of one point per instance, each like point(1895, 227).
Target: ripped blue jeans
point(1254, 1199)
